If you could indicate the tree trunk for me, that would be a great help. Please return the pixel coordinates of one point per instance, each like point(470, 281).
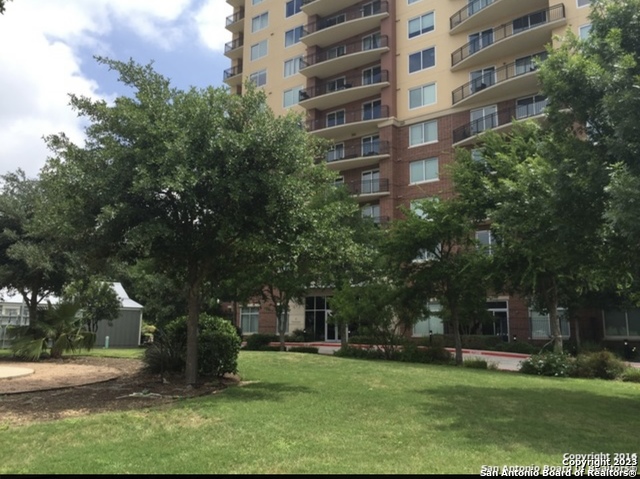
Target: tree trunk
point(576, 333)
point(455, 323)
point(283, 316)
point(344, 340)
point(191, 369)
point(556, 332)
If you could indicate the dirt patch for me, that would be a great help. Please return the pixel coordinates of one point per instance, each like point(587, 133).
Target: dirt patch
point(82, 386)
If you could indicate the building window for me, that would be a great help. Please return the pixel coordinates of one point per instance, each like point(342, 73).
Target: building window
point(292, 36)
point(259, 50)
point(255, 2)
point(335, 118)
point(477, 154)
point(480, 40)
point(371, 8)
point(371, 41)
point(292, 97)
point(481, 79)
point(291, 67)
point(336, 52)
point(584, 31)
point(529, 63)
point(336, 84)
point(249, 319)
point(422, 96)
point(371, 75)
point(432, 324)
point(422, 133)
point(293, 7)
point(541, 325)
point(339, 181)
point(529, 21)
point(416, 206)
point(483, 119)
point(259, 78)
point(423, 170)
point(372, 110)
point(412, 1)
point(371, 145)
point(421, 60)
point(530, 106)
point(259, 22)
point(370, 182)
point(583, 3)
point(485, 240)
point(622, 323)
point(371, 211)
point(420, 25)
point(336, 152)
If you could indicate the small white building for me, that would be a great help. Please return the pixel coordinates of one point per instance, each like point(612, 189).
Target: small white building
point(125, 331)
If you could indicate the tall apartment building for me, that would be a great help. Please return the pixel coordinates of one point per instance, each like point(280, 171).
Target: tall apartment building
point(397, 85)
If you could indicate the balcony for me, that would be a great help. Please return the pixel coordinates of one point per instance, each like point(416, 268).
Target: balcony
point(332, 61)
point(233, 76)
point(368, 190)
point(500, 121)
point(505, 82)
point(357, 156)
point(510, 38)
point(235, 3)
point(481, 12)
point(235, 22)
point(329, 94)
point(326, 7)
point(233, 49)
point(349, 123)
point(351, 22)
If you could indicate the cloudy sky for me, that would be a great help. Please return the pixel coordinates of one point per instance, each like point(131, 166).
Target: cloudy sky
point(47, 48)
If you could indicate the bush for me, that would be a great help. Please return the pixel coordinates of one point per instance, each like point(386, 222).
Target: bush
point(218, 347)
point(475, 364)
point(631, 375)
point(517, 347)
point(257, 342)
point(548, 364)
point(359, 353)
point(303, 349)
point(297, 336)
point(602, 365)
point(428, 355)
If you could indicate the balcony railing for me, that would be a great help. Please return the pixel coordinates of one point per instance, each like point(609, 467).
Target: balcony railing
point(373, 148)
point(347, 117)
point(498, 118)
point(515, 27)
point(491, 78)
point(236, 17)
point(467, 11)
point(337, 51)
point(334, 85)
point(368, 187)
point(351, 14)
point(231, 72)
point(233, 44)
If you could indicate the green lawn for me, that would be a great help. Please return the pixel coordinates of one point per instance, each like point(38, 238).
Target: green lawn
point(98, 352)
point(319, 414)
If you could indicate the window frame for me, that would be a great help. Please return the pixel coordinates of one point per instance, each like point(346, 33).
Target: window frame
point(253, 313)
point(421, 30)
point(424, 162)
point(424, 128)
point(422, 90)
point(259, 17)
point(421, 55)
point(264, 42)
point(299, 29)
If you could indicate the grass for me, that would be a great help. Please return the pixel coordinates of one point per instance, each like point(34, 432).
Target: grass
point(304, 413)
point(129, 353)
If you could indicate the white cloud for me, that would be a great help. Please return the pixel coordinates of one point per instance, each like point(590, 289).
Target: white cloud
point(41, 63)
point(210, 20)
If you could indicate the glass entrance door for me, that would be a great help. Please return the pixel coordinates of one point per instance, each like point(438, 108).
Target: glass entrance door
point(332, 330)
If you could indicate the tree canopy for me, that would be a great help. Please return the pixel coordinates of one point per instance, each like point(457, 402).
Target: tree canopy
point(185, 178)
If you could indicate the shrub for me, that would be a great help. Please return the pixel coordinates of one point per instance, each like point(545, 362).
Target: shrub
point(359, 353)
point(631, 375)
point(517, 347)
point(218, 347)
point(257, 342)
point(303, 349)
point(475, 364)
point(548, 364)
point(297, 336)
point(602, 365)
point(428, 355)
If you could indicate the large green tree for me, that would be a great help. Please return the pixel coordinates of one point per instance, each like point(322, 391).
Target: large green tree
point(182, 177)
point(543, 196)
point(434, 256)
point(32, 262)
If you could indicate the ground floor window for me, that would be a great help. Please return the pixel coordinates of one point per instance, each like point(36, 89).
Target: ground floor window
point(541, 324)
point(249, 319)
point(621, 323)
point(430, 325)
